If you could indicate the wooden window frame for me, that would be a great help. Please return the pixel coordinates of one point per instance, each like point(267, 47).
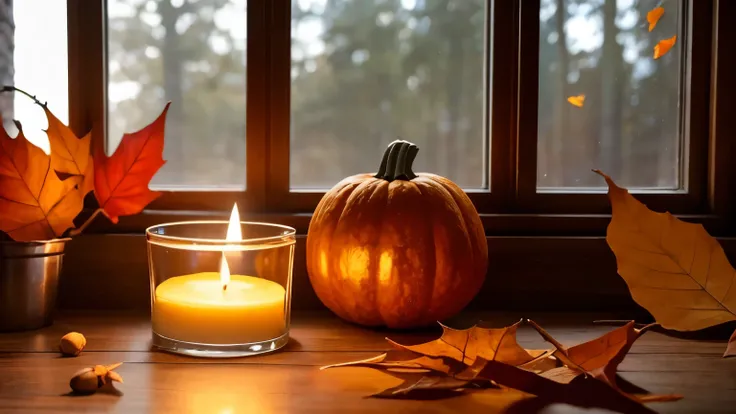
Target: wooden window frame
point(512, 205)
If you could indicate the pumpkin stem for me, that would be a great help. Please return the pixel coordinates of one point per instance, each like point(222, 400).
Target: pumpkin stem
point(397, 161)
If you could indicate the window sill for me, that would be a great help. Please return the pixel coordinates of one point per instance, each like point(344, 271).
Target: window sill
point(542, 225)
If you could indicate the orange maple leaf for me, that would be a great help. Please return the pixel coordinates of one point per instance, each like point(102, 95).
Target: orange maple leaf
point(664, 46)
point(653, 17)
point(70, 155)
point(121, 181)
point(578, 100)
point(34, 203)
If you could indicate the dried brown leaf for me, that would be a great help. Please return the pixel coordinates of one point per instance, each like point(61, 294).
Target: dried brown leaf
point(599, 358)
point(465, 345)
point(423, 385)
point(674, 269)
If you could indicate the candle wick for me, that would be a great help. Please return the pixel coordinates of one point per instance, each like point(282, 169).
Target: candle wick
point(224, 287)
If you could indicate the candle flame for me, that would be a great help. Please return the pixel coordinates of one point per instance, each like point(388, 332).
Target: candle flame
point(234, 233)
point(224, 272)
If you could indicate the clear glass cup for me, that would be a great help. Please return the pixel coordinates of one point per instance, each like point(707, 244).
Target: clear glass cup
point(196, 309)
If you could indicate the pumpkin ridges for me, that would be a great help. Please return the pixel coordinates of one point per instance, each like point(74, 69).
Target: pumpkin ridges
point(454, 251)
point(353, 240)
point(472, 224)
point(406, 238)
point(319, 238)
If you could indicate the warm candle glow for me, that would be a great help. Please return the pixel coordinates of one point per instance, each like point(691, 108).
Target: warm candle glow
point(234, 233)
point(224, 272)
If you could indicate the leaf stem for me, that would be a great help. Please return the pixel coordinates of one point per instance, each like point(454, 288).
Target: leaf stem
point(547, 337)
point(10, 88)
point(78, 231)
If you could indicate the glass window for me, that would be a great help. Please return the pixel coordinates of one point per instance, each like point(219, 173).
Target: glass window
point(367, 72)
point(629, 122)
point(33, 57)
point(191, 53)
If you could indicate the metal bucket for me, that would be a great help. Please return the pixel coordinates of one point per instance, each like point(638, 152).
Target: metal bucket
point(29, 277)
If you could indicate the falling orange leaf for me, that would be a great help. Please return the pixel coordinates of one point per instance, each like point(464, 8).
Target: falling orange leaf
point(578, 100)
point(653, 17)
point(121, 180)
point(34, 203)
point(664, 46)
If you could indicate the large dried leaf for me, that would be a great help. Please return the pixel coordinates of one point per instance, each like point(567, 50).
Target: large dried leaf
point(70, 155)
point(580, 391)
point(121, 181)
point(465, 345)
point(34, 203)
point(457, 361)
point(599, 358)
point(674, 269)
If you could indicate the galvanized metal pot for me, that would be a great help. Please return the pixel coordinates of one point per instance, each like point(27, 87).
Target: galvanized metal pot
point(29, 277)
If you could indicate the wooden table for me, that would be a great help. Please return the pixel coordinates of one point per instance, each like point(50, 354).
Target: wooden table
point(34, 378)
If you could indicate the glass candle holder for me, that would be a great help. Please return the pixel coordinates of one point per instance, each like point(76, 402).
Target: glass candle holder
point(217, 297)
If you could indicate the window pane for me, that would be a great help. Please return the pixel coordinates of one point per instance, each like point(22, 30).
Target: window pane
point(629, 122)
point(33, 40)
point(192, 54)
point(367, 72)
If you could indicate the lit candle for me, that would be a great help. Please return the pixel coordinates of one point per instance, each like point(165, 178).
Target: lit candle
point(220, 308)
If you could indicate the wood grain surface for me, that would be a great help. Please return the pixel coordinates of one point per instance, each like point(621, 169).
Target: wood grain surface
point(34, 377)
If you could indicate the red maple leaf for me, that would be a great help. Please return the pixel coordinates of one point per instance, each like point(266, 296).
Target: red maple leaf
point(121, 180)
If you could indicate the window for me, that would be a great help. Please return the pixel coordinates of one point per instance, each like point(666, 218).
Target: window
point(194, 55)
point(629, 124)
point(25, 59)
point(480, 85)
point(367, 72)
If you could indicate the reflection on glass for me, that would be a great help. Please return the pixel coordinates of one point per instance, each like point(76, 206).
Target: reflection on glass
point(191, 53)
point(367, 72)
point(629, 124)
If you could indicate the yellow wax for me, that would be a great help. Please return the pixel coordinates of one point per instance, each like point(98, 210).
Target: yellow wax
point(195, 308)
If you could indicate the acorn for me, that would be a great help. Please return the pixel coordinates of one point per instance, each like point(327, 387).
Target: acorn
point(89, 380)
point(72, 344)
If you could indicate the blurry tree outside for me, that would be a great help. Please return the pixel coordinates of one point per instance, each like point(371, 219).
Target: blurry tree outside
point(367, 72)
point(192, 53)
point(629, 126)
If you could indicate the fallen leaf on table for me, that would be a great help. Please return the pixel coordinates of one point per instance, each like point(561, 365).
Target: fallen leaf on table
point(653, 17)
point(598, 358)
point(457, 361)
point(465, 345)
point(70, 155)
point(580, 391)
point(121, 181)
point(664, 46)
point(34, 203)
point(404, 359)
point(578, 100)
point(416, 382)
point(674, 269)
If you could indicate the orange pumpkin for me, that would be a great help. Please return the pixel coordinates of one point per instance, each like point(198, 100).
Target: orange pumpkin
point(396, 248)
